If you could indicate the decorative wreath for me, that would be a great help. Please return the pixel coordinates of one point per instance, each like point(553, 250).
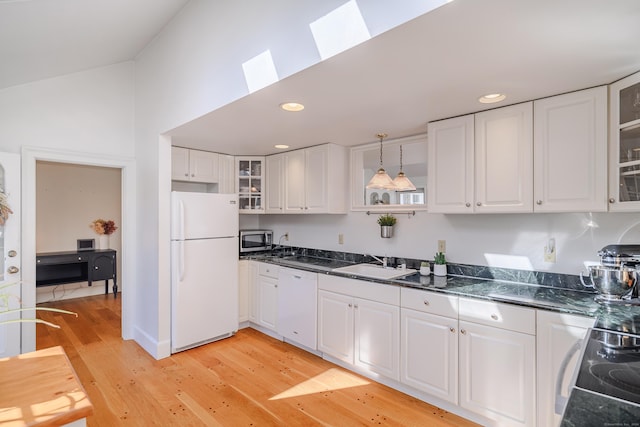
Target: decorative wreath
point(5, 210)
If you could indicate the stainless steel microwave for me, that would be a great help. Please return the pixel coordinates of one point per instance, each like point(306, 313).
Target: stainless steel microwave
point(255, 240)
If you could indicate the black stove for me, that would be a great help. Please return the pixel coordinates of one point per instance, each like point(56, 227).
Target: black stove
point(611, 365)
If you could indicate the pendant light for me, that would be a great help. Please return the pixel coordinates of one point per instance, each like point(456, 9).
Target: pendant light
point(401, 182)
point(381, 180)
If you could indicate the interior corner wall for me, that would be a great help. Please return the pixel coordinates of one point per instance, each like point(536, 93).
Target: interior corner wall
point(193, 67)
point(68, 198)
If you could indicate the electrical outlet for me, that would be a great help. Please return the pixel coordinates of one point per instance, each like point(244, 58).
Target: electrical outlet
point(286, 236)
point(550, 251)
point(341, 239)
point(442, 246)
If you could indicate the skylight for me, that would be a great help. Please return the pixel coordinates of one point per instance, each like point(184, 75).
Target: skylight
point(260, 71)
point(339, 30)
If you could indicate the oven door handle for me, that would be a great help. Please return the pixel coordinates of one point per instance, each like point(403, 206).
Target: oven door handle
point(561, 401)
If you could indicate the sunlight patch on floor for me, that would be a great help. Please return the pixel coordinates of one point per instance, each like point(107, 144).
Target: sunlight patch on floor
point(332, 379)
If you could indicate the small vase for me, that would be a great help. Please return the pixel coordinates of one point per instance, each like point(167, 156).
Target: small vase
point(440, 269)
point(386, 231)
point(103, 241)
point(425, 270)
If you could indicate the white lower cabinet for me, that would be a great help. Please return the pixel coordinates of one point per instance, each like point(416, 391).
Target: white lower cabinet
point(497, 365)
point(267, 296)
point(429, 343)
point(359, 323)
point(297, 306)
point(559, 340)
point(243, 290)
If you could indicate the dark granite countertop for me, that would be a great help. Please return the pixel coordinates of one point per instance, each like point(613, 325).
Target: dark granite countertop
point(584, 407)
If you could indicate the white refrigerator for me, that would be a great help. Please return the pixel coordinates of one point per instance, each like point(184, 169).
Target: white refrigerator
point(204, 268)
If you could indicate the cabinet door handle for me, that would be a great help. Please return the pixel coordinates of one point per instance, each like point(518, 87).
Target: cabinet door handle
point(463, 332)
point(355, 305)
point(538, 202)
point(297, 277)
point(186, 174)
point(12, 269)
point(612, 200)
point(350, 305)
point(494, 316)
point(452, 329)
point(478, 204)
point(468, 204)
point(95, 268)
point(426, 302)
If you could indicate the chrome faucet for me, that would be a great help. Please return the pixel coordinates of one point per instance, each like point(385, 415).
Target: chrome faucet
point(383, 260)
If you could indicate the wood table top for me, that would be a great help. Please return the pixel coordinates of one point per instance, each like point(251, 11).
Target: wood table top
point(41, 389)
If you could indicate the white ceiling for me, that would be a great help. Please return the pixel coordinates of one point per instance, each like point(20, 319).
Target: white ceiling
point(46, 38)
point(433, 67)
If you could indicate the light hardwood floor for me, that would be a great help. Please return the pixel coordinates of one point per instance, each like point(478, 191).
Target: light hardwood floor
point(246, 380)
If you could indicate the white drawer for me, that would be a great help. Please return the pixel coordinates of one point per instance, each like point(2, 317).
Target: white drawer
point(388, 294)
point(429, 302)
point(504, 316)
point(268, 270)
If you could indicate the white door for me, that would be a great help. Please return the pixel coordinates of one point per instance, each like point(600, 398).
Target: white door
point(268, 302)
point(335, 325)
point(430, 353)
point(570, 152)
point(450, 165)
point(316, 180)
point(497, 374)
point(377, 337)
point(504, 159)
point(10, 290)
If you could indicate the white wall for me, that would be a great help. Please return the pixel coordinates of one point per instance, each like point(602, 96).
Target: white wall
point(89, 111)
point(85, 116)
point(500, 240)
point(68, 198)
point(193, 67)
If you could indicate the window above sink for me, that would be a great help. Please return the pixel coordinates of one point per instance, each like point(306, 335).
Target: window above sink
point(365, 161)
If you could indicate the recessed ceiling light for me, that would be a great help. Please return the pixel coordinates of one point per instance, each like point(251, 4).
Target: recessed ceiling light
point(281, 146)
point(492, 97)
point(292, 106)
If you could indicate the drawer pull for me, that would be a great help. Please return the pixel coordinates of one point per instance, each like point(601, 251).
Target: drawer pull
point(12, 269)
point(494, 316)
point(426, 302)
point(453, 330)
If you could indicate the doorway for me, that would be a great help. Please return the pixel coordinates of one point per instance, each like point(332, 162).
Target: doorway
point(126, 166)
point(69, 198)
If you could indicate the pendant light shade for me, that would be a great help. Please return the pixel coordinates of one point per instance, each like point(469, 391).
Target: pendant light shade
point(381, 180)
point(401, 182)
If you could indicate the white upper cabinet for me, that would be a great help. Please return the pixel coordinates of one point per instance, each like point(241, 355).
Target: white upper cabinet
point(194, 165)
point(503, 159)
point(482, 162)
point(249, 184)
point(624, 154)
point(227, 182)
point(570, 152)
point(274, 198)
point(315, 180)
point(450, 165)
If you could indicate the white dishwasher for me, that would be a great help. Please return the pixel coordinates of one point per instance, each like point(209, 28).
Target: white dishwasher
point(297, 306)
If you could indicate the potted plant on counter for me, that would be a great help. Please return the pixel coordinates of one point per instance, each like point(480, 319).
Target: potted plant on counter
point(386, 222)
point(439, 264)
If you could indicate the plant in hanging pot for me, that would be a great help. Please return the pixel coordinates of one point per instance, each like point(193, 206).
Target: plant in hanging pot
point(439, 264)
point(386, 223)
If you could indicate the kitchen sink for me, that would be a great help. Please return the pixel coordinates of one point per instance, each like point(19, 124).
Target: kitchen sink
point(374, 271)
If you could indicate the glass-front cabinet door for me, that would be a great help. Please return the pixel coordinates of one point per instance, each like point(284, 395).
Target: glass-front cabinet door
point(250, 180)
point(624, 155)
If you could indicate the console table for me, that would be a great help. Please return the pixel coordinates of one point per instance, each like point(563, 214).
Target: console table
point(56, 268)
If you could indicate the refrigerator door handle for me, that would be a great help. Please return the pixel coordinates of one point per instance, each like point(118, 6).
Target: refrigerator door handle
point(181, 262)
point(180, 219)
